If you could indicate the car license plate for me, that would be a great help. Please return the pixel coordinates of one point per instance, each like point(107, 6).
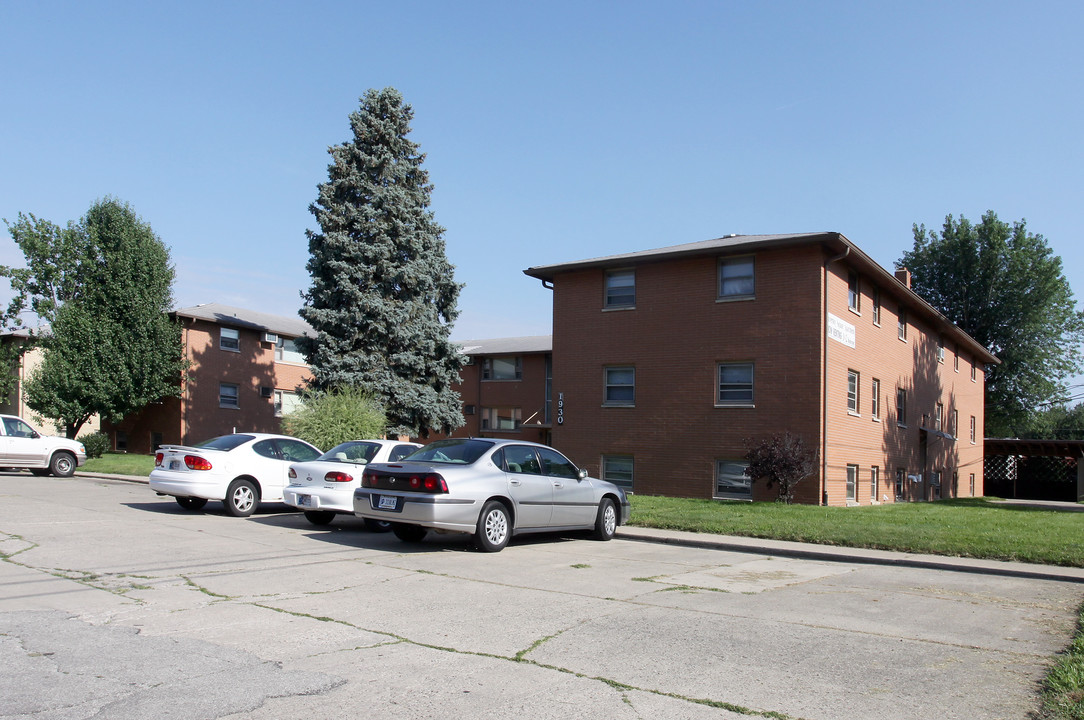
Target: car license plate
point(304, 500)
point(174, 464)
point(387, 502)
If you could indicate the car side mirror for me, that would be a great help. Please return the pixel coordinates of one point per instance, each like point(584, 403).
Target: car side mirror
point(582, 473)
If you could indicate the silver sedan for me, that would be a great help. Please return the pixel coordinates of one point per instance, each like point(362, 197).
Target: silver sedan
point(492, 489)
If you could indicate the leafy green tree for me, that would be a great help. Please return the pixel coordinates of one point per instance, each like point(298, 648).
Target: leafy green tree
point(383, 297)
point(331, 418)
point(782, 460)
point(104, 288)
point(1005, 287)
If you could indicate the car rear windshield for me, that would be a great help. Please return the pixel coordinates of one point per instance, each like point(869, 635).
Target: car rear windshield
point(456, 451)
point(351, 452)
point(225, 442)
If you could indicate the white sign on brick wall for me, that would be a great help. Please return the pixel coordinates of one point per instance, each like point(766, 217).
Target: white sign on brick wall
point(840, 330)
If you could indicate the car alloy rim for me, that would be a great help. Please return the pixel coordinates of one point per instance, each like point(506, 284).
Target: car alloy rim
point(496, 527)
point(609, 519)
point(242, 498)
point(63, 465)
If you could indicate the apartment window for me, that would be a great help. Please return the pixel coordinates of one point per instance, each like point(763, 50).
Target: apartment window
point(940, 350)
point(731, 482)
point(972, 429)
point(735, 384)
point(736, 278)
point(876, 306)
point(618, 470)
point(971, 480)
point(620, 288)
point(852, 483)
point(901, 324)
point(852, 391)
point(620, 387)
point(502, 368)
point(956, 358)
point(501, 418)
point(286, 402)
point(853, 294)
point(939, 415)
point(228, 395)
point(901, 406)
point(874, 483)
point(875, 404)
point(229, 339)
point(286, 351)
point(972, 371)
point(955, 429)
point(901, 476)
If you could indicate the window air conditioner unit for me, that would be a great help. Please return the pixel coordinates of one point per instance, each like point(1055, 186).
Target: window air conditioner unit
point(270, 337)
point(265, 391)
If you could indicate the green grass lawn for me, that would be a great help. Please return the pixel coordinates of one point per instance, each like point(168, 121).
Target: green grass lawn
point(970, 527)
point(120, 464)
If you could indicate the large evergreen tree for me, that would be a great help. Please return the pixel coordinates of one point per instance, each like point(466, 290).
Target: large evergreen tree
point(1005, 287)
point(103, 286)
point(383, 297)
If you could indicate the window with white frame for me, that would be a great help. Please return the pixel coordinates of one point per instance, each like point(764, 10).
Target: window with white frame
point(875, 397)
point(509, 367)
point(874, 483)
point(286, 402)
point(939, 417)
point(229, 339)
point(971, 480)
point(286, 351)
point(505, 419)
point(618, 469)
point(940, 350)
point(854, 296)
point(228, 396)
point(901, 406)
point(735, 386)
point(853, 380)
point(901, 477)
point(876, 306)
point(619, 386)
point(736, 278)
point(973, 423)
point(852, 483)
point(620, 288)
point(973, 369)
point(901, 324)
point(731, 482)
point(955, 429)
point(956, 358)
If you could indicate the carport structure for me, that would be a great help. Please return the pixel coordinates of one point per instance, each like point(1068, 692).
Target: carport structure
point(1034, 469)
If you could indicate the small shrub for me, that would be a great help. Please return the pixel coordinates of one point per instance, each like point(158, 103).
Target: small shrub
point(328, 419)
point(96, 443)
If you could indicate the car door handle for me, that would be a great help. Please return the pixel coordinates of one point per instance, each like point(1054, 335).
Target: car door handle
point(558, 484)
point(517, 483)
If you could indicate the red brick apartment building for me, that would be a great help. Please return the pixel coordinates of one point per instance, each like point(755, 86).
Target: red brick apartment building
point(504, 387)
point(666, 361)
point(244, 372)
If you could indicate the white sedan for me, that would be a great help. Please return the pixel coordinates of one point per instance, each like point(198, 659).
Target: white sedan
point(241, 470)
point(324, 487)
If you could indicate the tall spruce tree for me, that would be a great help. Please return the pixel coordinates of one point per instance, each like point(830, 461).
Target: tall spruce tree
point(104, 286)
point(383, 297)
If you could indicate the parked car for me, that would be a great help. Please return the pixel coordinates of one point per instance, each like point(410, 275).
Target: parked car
point(242, 470)
point(21, 446)
point(324, 487)
point(492, 489)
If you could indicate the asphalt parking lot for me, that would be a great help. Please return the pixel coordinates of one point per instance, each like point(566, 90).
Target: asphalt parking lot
point(116, 603)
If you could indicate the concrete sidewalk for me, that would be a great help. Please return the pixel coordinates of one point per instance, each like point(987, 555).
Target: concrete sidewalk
point(809, 551)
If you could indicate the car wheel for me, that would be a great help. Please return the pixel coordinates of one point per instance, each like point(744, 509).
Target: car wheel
point(409, 533)
point(241, 498)
point(379, 526)
point(62, 464)
point(191, 503)
point(606, 521)
point(319, 517)
point(494, 527)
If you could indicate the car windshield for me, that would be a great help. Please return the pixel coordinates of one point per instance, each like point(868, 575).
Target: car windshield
point(351, 452)
point(455, 451)
point(225, 442)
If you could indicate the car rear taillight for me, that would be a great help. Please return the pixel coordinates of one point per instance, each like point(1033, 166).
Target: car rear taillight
point(195, 462)
point(158, 459)
point(338, 476)
point(430, 483)
point(368, 479)
point(292, 474)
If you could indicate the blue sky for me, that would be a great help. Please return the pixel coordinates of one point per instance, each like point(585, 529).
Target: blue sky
point(554, 131)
